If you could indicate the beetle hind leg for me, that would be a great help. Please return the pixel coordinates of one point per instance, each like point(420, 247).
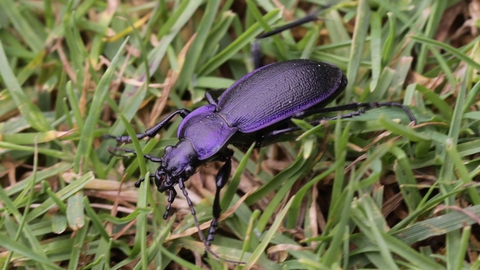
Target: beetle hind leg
point(359, 108)
point(255, 49)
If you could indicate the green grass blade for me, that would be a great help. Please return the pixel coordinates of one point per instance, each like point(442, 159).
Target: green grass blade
point(86, 139)
point(358, 40)
point(31, 112)
point(248, 36)
point(269, 235)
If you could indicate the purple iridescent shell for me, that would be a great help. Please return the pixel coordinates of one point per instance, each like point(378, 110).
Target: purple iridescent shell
point(275, 92)
point(206, 130)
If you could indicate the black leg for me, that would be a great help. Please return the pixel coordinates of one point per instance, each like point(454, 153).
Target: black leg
point(267, 138)
point(139, 182)
point(210, 98)
point(172, 194)
point(309, 18)
point(255, 49)
point(221, 179)
point(181, 184)
point(358, 107)
point(151, 132)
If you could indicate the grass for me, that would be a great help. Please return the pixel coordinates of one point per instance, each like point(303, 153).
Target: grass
point(366, 192)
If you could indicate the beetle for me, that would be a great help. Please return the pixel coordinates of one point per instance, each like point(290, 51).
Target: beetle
point(258, 108)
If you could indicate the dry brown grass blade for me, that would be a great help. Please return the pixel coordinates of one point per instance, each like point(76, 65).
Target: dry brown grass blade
point(169, 83)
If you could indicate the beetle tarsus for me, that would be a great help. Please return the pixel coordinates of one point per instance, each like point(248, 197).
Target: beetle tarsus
point(181, 185)
point(139, 182)
point(343, 116)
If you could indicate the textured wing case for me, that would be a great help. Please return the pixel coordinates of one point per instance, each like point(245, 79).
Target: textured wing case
point(275, 92)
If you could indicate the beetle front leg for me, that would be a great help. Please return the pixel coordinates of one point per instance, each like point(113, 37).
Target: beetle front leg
point(151, 132)
point(221, 179)
point(139, 182)
point(172, 194)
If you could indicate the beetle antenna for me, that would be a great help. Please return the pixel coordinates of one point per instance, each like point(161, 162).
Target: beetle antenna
point(181, 185)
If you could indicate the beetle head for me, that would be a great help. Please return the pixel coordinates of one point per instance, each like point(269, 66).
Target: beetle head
point(178, 162)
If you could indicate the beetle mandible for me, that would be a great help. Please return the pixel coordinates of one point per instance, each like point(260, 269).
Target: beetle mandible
point(255, 109)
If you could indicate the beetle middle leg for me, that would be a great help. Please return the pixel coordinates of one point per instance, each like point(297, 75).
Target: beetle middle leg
point(151, 132)
point(221, 179)
point(181, 185)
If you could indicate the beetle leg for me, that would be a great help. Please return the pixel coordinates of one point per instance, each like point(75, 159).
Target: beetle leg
point(255, 49)
point(256, 54)
point(127, 150)
point(359, 107)
point(181, 185)
point(210, 98)
point(213, 95)
point(139, 182)
point(267, 138)
point(221, 179)
point(151, 132)
point(172, 194)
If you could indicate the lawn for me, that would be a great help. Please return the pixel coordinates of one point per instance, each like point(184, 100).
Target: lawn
point(372, 191)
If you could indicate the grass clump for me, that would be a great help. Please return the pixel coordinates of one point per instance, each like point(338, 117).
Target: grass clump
point(366, 192)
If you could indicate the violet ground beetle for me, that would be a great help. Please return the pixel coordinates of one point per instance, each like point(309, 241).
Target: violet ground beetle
point(256, 109)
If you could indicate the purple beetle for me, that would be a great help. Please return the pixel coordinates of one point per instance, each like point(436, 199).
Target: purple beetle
point(258, 109)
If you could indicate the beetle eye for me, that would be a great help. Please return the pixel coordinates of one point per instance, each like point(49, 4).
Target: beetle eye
point(189, 170)
point(168, 149)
